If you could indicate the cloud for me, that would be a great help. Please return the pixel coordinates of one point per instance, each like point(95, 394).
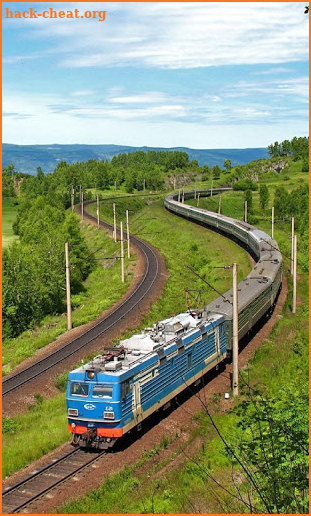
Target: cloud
point(273, 71)
point(15, 115)
point(297, 87)
point(177, 35)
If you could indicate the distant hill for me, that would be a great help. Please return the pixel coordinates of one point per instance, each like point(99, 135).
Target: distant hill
point(26, 158)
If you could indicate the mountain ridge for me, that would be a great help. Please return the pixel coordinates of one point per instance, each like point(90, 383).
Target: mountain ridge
point(26, 158)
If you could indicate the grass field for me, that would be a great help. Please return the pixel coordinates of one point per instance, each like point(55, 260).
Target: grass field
point(188, 244)
point(9, 212)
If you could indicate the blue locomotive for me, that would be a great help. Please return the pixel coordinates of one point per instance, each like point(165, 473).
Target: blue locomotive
point(116, 391)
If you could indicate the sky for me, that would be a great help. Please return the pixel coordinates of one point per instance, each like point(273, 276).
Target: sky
point(194, 74)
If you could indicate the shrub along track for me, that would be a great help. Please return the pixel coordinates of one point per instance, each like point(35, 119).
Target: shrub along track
point(125, 314)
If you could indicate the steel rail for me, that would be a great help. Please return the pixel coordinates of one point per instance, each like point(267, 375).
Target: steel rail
point(23, 490)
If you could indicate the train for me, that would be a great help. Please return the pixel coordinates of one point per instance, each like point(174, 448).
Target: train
point(117, 390)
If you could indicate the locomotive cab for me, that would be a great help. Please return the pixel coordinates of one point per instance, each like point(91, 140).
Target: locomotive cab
point(93, 408)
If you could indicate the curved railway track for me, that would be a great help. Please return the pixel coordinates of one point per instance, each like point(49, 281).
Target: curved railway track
point(33, 487)
point(149, 277)
point(17, 497)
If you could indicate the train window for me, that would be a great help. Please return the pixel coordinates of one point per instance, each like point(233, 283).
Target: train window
point(79, 389)
point(102, 391)
point(125, 389)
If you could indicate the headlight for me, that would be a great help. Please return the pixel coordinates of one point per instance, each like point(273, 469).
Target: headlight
point(90, 375)
point(108, 415)
point(72, 412)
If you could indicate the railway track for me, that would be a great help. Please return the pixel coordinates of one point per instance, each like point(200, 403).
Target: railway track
point(149, 277)
point(17, 497)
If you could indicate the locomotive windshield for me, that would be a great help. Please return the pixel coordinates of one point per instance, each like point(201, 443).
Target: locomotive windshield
point(79, 389)
point(102, 391)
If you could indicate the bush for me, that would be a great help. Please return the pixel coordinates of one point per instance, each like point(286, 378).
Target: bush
point(245, 184)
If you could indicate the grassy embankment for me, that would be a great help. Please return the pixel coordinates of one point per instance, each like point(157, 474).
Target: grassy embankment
point(281, 360)
point(9, 212)
point(188, 244)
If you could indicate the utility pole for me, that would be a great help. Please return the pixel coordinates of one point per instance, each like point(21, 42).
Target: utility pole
point(72, 198)
point(235, 340)
point(122, 252)
point(292, 250)
point(114, 223)
point(80, 187)
point(272, 222)
point(128, 234)
point(219, 204)
point(212, 188)
point(198, 199)
point(295, 275)
point(245, 211)
point(97, 210)
point(69, 322)
point(82, 205)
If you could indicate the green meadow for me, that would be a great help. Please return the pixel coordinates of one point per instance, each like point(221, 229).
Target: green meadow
point(9, 211)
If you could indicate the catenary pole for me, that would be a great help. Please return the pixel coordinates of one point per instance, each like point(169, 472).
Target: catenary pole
point(219, 204)
point(235, 341)
point(245, 211)
point(122, 252)
point(295, 275)
point(114, 222)
point(128, 234)
point(97, 210)
point(72, 198)
point(82, 205)
point(292, 248)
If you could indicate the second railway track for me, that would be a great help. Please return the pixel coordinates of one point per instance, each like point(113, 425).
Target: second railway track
point(17, 497)
point(151, 271)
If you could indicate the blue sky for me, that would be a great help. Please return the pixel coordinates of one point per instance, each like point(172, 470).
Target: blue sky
point(200, 75)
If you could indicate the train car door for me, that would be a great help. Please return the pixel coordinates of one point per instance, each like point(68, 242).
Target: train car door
point(217, 340)
point(137, 410)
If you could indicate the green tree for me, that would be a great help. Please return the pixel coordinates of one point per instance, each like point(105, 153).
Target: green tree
point(227, 164)
point(216, 171)
point(263, 197)
point(305, 165)
point(274, 150)
point(248, 196)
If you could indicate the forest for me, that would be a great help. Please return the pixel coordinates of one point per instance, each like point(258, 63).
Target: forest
point(33, 267)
